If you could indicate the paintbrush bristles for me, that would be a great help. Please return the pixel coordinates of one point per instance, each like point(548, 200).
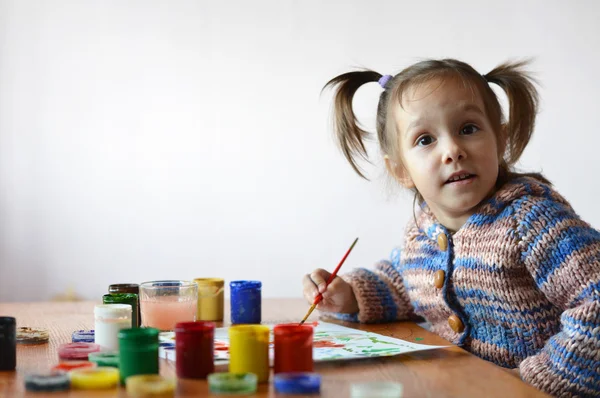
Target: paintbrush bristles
point(310, 310)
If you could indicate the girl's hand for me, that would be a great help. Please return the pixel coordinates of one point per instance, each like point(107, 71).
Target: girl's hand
point(337, 297)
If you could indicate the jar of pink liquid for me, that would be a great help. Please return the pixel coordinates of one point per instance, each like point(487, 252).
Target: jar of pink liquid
point(165, 303)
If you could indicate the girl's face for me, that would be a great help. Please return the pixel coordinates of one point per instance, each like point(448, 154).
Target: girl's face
point(447, 147)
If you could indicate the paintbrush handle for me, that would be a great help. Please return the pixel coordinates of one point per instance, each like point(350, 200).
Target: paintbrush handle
point(334, 273)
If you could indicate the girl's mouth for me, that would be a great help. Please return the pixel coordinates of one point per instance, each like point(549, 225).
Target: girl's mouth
point(460, 179)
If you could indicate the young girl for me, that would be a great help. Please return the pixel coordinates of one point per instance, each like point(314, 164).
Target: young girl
point(497, 262)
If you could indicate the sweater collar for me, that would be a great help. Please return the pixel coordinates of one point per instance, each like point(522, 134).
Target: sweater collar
point(489, 208)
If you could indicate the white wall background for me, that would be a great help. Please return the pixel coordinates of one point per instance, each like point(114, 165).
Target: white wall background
point(178, 139)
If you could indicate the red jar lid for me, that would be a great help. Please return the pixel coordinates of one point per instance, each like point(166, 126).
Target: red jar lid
point(194, 327)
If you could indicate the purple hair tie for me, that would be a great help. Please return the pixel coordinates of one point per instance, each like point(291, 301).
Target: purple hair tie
point(383, 81)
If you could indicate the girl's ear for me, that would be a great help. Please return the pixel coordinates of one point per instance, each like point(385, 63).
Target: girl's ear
point(399, 172)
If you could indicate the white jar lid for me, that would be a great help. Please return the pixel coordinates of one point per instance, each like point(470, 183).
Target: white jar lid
point(112, 310)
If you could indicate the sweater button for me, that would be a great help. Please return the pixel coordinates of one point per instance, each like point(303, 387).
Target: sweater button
point(438, 279)
point(442, 240)
point(456, 324)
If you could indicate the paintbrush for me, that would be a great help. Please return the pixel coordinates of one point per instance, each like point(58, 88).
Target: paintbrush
point(331, 277)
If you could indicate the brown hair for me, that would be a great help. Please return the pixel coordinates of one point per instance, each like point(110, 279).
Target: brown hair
point(513, 134)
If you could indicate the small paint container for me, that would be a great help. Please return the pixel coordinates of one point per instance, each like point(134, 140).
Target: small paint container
point(211, 299)
point(293, 348)
point(79, 351)
point(72, 365)
point(47, 381)
point(110, 318)
point(376, 389)
point(95, 379)
point(127, 288)
point(166, 303)
point(125, 298)
point(83, 336)
point(232, 383)
point(194, 349)
point(27, 335)
point(105, 358)
point(297, 383)
point(249, 350)
point(8, 343)
point(150, 386)
point(138, 351)
point(245, 302)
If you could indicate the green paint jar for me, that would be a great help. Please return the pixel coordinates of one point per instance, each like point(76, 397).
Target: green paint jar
point(138, 352)
point(125, 298)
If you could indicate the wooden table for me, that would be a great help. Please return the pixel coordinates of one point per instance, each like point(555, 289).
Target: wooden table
point(448, 372)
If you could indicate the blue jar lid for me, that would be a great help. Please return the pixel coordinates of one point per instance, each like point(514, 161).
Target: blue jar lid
point(235, 285)
point(297, 383)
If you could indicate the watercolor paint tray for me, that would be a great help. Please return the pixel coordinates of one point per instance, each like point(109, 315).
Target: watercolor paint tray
point(331, 343)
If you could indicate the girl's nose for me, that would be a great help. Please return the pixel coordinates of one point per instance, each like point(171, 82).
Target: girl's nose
point(453, 152)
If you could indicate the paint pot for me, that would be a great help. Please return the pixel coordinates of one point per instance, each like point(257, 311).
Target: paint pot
point(211, 299)
point(105, 358)
point(83, 336)
point(125, 298)
point(127, 288)
point(293, 348)
point(72, 365)
point(194, 349)
point(249, 350)
point(150, 386)
point(138, 351)
point(245, 302)
point(297, 383)
point(27, 335)
point(376, 389)
point(110, 318)
point(47, 381)
point(8, 343)
point(232, 383)
point(80, 351)
point(95, 379)
point(166, 303)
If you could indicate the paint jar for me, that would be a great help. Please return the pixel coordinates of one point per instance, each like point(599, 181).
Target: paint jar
point(210, 299)
point(138, 352)
point(166, 303)
point(150, 386)
point(194, 349)
point(127, 288)
point(8, 343)
point(232, 383)
point(376, 389)
point(125, 298)
point(293, 348)
point(245, 302)
point(109, 320)
point(249, 350)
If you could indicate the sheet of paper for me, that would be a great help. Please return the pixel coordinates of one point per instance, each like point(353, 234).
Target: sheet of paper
point(331, 343)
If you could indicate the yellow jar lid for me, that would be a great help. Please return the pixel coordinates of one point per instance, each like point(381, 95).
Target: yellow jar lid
point(149, 386)
point(95, 378)
point(216, 282)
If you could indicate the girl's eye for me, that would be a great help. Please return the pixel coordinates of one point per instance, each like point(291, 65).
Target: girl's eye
point(424, 140)
point(469, 129)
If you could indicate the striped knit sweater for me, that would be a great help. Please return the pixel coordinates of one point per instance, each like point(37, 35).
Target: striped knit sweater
point(522, 276)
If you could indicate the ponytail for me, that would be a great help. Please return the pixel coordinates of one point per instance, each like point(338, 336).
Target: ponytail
point(523, 105)
point(350, 136)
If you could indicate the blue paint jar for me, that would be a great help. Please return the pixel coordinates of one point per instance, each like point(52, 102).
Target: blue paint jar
point(245, 302)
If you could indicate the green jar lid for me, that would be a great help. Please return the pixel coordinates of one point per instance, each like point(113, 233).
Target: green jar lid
point(105, 358)
point(116, 298)
point(139, 334)
point(228, 383)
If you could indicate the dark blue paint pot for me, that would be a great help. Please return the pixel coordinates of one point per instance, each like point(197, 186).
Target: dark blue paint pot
point(245, 302)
